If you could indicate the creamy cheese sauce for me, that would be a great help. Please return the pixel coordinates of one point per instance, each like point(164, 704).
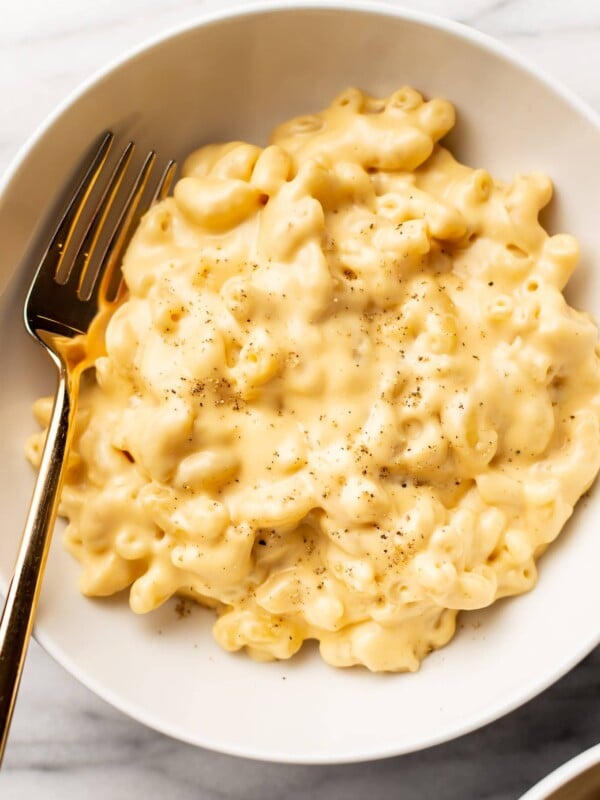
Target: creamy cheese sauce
point(344, 396)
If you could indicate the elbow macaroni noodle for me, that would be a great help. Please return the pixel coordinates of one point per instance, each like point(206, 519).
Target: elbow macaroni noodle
point(344, 396)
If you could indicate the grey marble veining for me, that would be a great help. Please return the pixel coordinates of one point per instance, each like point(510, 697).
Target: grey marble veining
point(66, 744)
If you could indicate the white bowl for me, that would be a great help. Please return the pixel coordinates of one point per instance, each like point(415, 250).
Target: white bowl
point(234, 76)
point(578, 779)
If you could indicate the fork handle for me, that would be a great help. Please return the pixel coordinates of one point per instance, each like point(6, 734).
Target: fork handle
point(23, 592)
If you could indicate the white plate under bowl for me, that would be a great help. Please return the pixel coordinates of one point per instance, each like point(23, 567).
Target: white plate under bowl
point(578, 779)
point(235, 76)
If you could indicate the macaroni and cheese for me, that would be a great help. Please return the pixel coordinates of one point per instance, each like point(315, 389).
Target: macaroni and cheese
point(343, 397)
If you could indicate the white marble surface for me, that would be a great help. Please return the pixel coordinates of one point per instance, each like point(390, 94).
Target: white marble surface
point(68, 744)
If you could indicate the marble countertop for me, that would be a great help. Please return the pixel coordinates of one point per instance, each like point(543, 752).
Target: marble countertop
point(65, 742)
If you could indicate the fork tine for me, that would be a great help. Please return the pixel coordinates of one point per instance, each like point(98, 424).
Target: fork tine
point(165, 182)
point(54, 255)
point(83, 256)
point(67, 307)
point(108, 279)
point(109, 283)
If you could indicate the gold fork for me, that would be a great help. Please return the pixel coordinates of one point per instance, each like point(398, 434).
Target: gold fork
point(62, 303)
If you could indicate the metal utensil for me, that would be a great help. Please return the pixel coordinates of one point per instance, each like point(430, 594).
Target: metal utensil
point(64, 300)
